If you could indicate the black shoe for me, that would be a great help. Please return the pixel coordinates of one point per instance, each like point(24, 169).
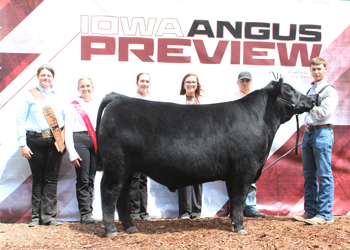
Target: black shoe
point(53, 223)
point(88, 219)
point(256, 215)
point(196, 216)
point(34, 223)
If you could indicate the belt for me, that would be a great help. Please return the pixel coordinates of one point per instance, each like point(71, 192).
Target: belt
point(312, 128)
point(44, 133)
point(81, 133)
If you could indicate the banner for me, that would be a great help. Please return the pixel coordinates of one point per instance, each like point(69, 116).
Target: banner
point(113, 41)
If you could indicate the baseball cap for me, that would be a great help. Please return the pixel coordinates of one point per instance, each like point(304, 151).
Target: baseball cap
point(245, 75)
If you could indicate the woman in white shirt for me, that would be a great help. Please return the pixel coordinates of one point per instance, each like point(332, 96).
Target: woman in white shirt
point(80, 136)
point(190, 197)
point(138, 187)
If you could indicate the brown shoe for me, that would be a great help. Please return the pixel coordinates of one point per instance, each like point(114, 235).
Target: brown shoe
point(53, 223)
point(318, 221)
point(256, 215)
point(301, 218)
point(88, 219)
point(34, 223)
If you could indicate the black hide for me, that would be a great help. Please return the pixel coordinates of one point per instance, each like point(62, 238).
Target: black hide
point(179, 145)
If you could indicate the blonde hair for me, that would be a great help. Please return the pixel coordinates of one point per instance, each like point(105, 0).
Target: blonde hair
point(85, 78)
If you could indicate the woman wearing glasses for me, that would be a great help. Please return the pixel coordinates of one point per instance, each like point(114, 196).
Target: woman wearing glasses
point(190, 197)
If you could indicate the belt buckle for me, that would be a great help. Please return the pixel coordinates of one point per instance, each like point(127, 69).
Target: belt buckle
point(308, 128)
point(46, 133)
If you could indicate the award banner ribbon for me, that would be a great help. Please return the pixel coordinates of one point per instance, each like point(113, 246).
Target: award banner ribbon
point(87, 122)
point(50, 117)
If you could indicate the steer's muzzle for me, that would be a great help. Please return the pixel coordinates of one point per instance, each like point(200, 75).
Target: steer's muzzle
point(305, 104)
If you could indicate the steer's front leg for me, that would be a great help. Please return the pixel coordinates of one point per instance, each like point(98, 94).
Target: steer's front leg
point(236, 207)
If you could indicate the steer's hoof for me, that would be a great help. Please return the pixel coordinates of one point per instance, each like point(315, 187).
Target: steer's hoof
point(132, 229)
point(242, 231)
point(111, 234)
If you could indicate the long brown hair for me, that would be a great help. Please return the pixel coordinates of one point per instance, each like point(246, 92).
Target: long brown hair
point(199, 87)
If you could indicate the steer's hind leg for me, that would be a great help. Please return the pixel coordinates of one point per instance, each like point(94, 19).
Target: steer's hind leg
point(237, 199)
point(111, 189)
point(124, 208)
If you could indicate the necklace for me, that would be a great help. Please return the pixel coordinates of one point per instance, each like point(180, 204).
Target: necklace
point(192, 100)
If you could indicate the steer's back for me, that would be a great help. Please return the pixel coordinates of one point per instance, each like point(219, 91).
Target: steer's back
point(177, 144)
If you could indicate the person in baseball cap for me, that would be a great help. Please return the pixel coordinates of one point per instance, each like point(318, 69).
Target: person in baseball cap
point(245, 82)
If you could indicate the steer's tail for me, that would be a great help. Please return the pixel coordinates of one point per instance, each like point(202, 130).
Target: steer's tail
point(105, 101)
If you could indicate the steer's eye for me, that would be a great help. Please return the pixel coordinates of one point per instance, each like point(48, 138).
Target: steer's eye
point(291, 90)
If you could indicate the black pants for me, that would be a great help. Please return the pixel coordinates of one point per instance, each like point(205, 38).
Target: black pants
point(190, 200)
point(86, 173)
point(138, 196)
point(45, 165)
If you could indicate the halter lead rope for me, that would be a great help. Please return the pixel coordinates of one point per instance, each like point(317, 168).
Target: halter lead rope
point(294, 106)
point(297, 144)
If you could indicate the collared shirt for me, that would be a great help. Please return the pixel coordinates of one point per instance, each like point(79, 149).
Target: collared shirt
point(75, 123)
point(322, 114)
point(31, 116)
point(148, 97)
point(238, 95)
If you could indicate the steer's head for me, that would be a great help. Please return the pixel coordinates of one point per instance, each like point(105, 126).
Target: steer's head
point(289, 100)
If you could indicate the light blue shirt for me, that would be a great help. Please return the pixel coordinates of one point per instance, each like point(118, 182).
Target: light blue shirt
point(31, 116)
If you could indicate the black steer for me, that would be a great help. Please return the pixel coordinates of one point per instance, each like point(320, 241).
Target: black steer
point(179, 145)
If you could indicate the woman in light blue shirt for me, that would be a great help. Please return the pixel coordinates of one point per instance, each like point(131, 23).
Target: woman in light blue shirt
point(37, 145)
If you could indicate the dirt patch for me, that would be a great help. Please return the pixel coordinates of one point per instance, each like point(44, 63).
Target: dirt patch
point(272, 232)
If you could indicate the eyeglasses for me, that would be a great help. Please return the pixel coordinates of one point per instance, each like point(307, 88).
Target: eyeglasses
point(190, 82)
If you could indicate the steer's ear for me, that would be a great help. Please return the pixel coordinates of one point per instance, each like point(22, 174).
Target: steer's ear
point(281, 81)
point(277, 87)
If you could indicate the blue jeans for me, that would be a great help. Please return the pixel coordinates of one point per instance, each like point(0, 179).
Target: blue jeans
point(317, 170)
point(250, 203)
